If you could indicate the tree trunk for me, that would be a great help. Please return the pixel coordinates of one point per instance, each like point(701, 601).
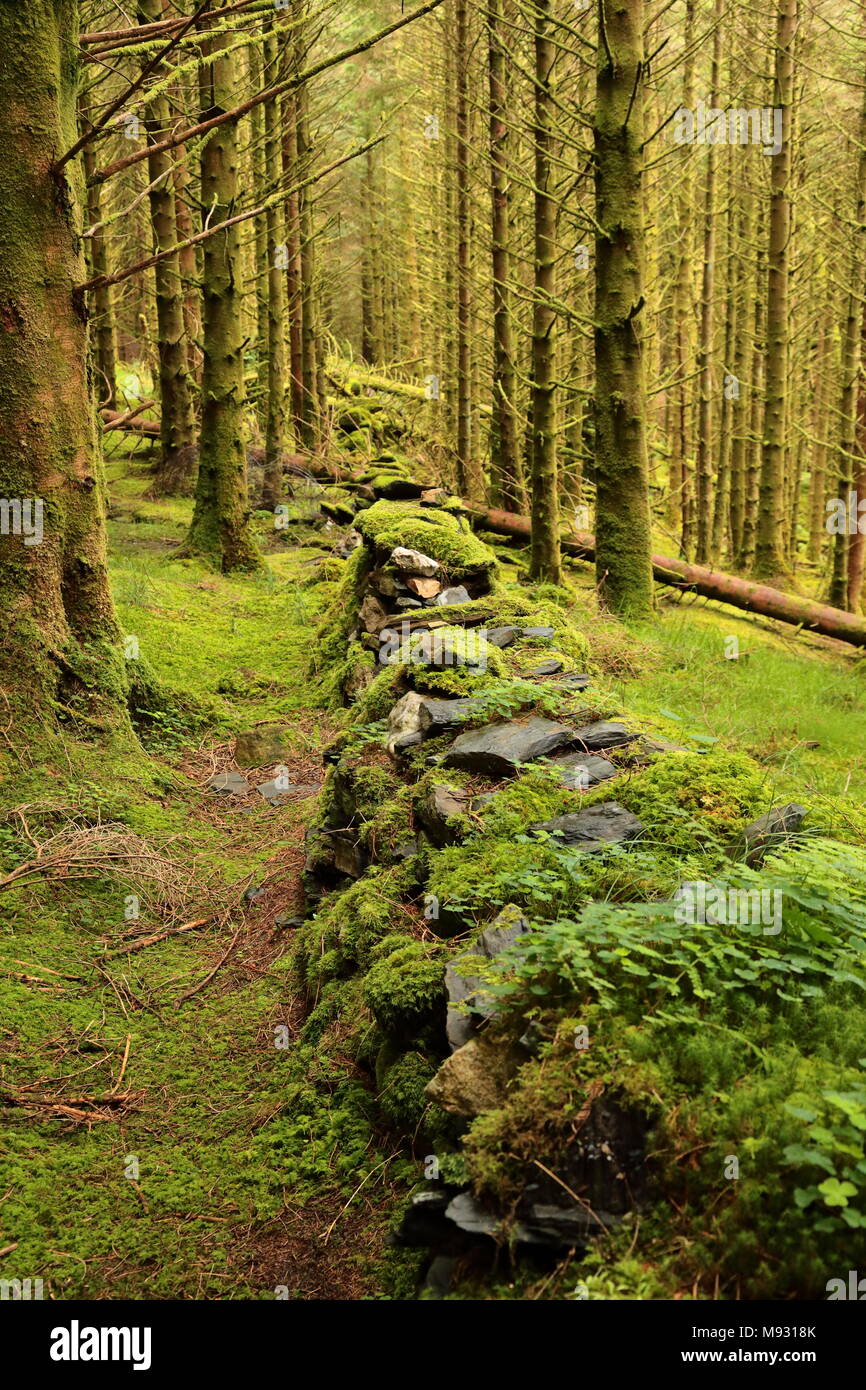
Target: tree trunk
point(275, 429)
point(102, 304)
point(851, 366)
point(467, 474)
point(293, 256)
point(706, 384)
point(623, 560)
point(61, 655)
point(505, 468)
point(679, 502)
point(709, 583)
point(220, 524)
point(309, 324)
point(174, 474)
point(770, 558)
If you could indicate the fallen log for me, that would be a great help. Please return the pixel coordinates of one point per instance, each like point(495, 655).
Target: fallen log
point(127, 421)
point(710, 583)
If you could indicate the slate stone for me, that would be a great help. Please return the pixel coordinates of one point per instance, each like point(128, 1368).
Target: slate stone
point(497, 750)
point(475, 1078)
point(229, 784)
point(560, 1228)
point(575, 680)
point(438, 806)
point(275, 793)
point(466, 1213)
point(769, 831)
point(416, 717)
point(349, 857)
point(407, 849)
point(580, 771)
point(372, 614)
point(343, 549)
point(547, 668)
point(443, 716)
point(409, 603)
point(604, 733)
point(503, 636)
point(440, 653)
point(539, 633)
point(456, 594)
point(399, 490)
point(286, 921)
point(460, 1026)
point(503, 932)
point(593, 828)
point(424, 1219)
point(440, 1275)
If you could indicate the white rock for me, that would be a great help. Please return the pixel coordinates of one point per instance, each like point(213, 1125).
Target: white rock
point(404, 722)
point(413, 562)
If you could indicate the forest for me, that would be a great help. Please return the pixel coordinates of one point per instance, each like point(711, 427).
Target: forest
point(432, 642)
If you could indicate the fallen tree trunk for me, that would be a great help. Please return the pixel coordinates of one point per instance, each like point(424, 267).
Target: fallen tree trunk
point(726, 588)
point(127, 421)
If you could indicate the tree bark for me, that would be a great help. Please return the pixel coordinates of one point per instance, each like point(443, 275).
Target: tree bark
point(622, 487)
point(61, 656)
point(275, 428)
point(174, 473)
point(220, 524)
point(770, 558)
point(505, 468)
point(103, 330)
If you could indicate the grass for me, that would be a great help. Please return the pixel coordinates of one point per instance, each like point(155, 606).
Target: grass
point(201, 1136)
point(194, 1128)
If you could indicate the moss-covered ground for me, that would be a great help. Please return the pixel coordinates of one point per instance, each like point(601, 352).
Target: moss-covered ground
point(233, 1144)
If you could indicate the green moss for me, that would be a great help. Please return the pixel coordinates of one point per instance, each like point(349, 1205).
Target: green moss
point(405, 990)
point(349, 925)
point(433, 531)
point(377, 700)
point(401, 1096)
point(688, 801)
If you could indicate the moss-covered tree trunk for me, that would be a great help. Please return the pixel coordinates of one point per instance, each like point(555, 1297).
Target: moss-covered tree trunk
point(845, 586)
point(467, 475)
point(61, 646)
point(256, 156)
point(293, 246)
point(622, 528)
point(740, 402)
point(220, 525)
point(275, 427)
point(770, 558)
point(102, 301)
point(309, 314)
point(680, 506)
point(175, 471)
point(505, 465)
point(545, 562)
point(705, 450)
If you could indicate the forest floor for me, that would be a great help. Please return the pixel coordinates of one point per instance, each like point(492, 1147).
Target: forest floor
point(163, 1135)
